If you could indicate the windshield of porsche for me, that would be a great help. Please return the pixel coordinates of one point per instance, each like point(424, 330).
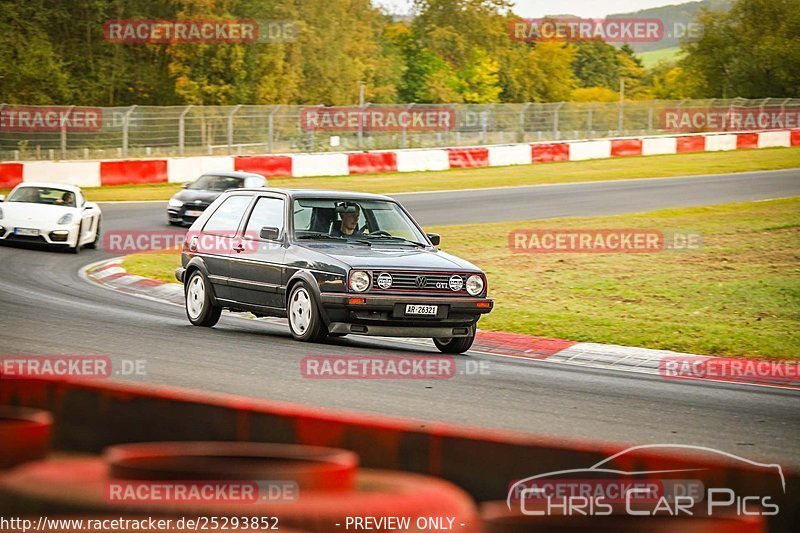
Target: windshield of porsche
point(364, 221)
point(43, 195)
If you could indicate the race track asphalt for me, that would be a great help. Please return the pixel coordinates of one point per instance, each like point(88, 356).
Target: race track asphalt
point(46, 308)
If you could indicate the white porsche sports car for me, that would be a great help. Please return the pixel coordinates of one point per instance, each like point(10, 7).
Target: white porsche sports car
point(50, 213)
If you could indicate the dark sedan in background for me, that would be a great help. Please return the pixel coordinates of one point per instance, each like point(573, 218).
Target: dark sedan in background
point(185, 206)
point(335, 263)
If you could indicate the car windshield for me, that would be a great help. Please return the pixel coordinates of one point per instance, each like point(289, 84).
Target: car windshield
point(43, 195)
point(217, 183)
point(371, 221)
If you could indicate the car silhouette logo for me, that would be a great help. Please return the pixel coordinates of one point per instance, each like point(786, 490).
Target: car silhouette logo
point(421, 281)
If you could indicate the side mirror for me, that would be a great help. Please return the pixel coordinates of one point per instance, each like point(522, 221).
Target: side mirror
point(435, 238)
point(186, 185)
point(269, 233)
point(2, 197)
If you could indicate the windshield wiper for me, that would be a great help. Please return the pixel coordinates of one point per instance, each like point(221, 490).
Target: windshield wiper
point(325, 236)
point(401, 240)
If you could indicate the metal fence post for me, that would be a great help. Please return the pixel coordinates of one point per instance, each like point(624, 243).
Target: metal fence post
point(230, 128)
point(125, 126)
point(589, 119)
point(182, 130)
point(556, 131)
point(271, 126)
point(64, 132)
point(403, 136)
point(522, 115)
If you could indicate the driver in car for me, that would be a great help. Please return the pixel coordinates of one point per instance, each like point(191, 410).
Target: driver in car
point(66, 199)
point(348, 226)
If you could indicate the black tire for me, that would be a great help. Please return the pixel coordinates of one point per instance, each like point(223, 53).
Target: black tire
point(455, 345)
point(77, 248)
point(93, 245)
point(200, 309)
point(305, 322)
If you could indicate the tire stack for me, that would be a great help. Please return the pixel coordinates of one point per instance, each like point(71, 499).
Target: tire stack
point(331, 486)
point(24, 435)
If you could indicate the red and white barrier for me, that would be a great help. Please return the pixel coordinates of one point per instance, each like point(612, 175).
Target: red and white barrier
point(181, 169)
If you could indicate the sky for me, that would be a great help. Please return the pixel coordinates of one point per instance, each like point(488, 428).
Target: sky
point(540, 8)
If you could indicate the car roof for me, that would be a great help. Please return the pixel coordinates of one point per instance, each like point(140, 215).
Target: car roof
point(47, 185)
point(233, 174)
point(319, 193)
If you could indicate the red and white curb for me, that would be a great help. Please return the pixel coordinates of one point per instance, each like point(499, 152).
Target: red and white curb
point(111, 275)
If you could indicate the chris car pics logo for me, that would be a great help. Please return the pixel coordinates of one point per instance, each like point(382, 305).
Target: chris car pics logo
point(673, 486)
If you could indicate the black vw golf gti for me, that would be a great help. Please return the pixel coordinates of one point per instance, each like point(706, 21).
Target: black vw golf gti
point(334, 263)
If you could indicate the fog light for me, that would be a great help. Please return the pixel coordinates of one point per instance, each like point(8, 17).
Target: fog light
point(59, 236)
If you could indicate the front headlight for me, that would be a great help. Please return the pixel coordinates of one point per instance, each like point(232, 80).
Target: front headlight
point(66, 219)
point(359, 281)
point(475, 285)
point(175, 203)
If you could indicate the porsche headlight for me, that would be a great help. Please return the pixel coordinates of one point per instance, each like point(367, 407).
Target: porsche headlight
point(359, 281)
point(475, 285)
point(66, 219)
point(173, 202)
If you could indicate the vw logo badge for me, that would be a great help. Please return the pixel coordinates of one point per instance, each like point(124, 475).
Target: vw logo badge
point(421, 281)
point(456, 283)
point(385, 281)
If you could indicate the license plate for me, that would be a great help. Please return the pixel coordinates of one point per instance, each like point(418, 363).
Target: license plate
point(26, 232)
point(193, 213)
point(413, 309)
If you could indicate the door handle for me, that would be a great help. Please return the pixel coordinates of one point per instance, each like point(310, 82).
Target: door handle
point(238, 247)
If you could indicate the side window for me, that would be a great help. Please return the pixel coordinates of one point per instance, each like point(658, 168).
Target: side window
point(267, 212)
point(225, 220)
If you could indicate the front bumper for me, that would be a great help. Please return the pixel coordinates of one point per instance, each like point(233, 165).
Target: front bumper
point(384, 315)
point(50, 235)
point(177, 215)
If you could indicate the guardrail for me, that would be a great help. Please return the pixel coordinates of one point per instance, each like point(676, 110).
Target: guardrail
point(71, 132)
point(182, 169)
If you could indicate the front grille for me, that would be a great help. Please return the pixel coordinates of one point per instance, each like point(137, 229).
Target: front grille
point(431, 282)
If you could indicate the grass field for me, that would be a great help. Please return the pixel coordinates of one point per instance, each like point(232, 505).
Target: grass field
point(737, 296)
point(562, 172)
point(652, 57)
